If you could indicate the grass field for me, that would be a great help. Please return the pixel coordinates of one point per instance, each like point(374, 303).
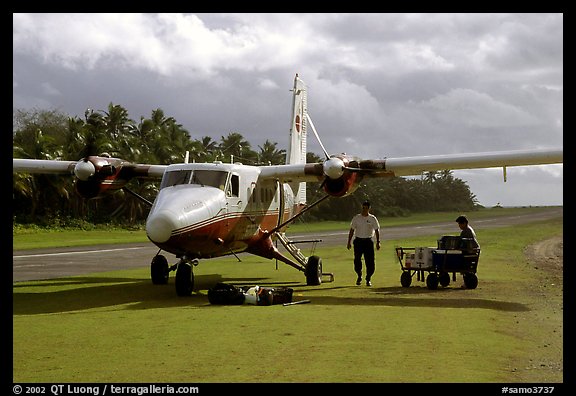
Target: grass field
point(118, 327)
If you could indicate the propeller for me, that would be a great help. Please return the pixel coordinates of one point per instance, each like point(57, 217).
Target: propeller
point(334, 166)
point(84, 169)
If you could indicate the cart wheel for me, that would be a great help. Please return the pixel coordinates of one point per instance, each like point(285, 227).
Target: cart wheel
point(406, 279)
point(432, 281)
point(444, 279)
point(470, 280)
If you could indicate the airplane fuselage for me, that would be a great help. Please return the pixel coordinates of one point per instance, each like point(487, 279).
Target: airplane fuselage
point(213, 209)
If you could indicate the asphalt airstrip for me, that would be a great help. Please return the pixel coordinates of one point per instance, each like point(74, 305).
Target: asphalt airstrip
point(54, 263)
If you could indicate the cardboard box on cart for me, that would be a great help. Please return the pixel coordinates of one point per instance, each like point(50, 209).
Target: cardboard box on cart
point(423, 258)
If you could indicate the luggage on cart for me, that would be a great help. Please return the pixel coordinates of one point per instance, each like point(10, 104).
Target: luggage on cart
point(449, 242)
point(453, 255)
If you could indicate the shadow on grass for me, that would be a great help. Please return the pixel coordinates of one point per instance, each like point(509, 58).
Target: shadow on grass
point(82, 293)
point(449, 297)
point(423, 302)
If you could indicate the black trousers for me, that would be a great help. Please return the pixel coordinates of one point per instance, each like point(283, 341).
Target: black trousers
point(364, 247)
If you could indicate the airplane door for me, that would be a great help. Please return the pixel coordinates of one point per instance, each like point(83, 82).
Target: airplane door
point(233, 201)
point(281, 202)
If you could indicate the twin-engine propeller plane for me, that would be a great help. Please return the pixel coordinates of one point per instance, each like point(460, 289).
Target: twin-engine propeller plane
point(206, 210)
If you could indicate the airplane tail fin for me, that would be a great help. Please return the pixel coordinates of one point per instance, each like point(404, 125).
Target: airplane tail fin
point(296, 153)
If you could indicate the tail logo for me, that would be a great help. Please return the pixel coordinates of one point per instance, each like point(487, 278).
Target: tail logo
point(297, 122)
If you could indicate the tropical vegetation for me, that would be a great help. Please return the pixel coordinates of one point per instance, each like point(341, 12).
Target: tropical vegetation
point(160, 139)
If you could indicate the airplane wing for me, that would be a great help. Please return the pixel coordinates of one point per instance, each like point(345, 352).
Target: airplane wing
point(69, 167)
point(337, 166)
point(338, 174)
point(413, 166)
point(95, 176)
point(43, 166)
point(293, 172)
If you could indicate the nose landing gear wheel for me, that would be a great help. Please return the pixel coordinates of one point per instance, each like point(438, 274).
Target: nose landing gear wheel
point(184, 279)
point(159, 270)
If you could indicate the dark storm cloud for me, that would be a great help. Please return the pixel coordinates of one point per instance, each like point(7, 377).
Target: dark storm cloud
point(379, 84)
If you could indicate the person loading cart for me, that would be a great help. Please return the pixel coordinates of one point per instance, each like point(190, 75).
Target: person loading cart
point(467, 232)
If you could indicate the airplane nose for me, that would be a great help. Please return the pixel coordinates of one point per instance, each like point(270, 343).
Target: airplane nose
point(159, 227)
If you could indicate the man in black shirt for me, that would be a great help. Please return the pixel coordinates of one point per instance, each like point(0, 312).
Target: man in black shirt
point(467, 231)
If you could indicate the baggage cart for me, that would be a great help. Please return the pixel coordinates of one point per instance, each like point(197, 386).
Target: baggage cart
point(438, 265)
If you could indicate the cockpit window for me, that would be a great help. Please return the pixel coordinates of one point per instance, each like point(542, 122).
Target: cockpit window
point(174, 178)
point(202, 177)
point(210, 178)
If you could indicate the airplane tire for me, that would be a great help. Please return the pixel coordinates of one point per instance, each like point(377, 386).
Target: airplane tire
point(314, 271)
point(184, 280)
point(159, 270)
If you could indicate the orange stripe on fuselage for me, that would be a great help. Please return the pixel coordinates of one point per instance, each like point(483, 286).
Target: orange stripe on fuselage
point(236, 229)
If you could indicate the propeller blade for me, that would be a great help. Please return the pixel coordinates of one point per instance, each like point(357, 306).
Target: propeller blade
point(317, 137)
point(348, 168)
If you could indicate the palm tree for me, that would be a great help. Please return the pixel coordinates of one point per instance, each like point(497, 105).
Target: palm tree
point(204, 150)
point(96, 140)
point(168, 140)
point(430, 176)
point(116, 121)
point(269, 154)
point(235, 145)
point(117, 127)
point(47, 189)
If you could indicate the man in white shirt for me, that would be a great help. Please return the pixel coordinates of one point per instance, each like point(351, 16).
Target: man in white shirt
point(364, 226)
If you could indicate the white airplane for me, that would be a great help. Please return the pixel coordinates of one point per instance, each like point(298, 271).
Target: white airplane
point(206, 210)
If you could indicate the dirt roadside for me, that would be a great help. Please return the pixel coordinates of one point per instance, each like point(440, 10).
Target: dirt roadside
point(548, 255)
point(547, 364)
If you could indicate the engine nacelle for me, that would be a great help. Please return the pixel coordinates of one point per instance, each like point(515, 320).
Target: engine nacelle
point(99, 176)
point(344, 185)
point(342, 176)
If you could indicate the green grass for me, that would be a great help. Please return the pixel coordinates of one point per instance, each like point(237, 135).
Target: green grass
point(118, 327)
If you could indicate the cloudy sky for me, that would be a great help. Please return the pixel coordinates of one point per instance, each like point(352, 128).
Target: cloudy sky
point(379, 85)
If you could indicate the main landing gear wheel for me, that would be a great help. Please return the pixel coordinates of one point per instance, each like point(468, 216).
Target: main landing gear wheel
point(159, 270)
point(313, 271)
point(184, 279)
